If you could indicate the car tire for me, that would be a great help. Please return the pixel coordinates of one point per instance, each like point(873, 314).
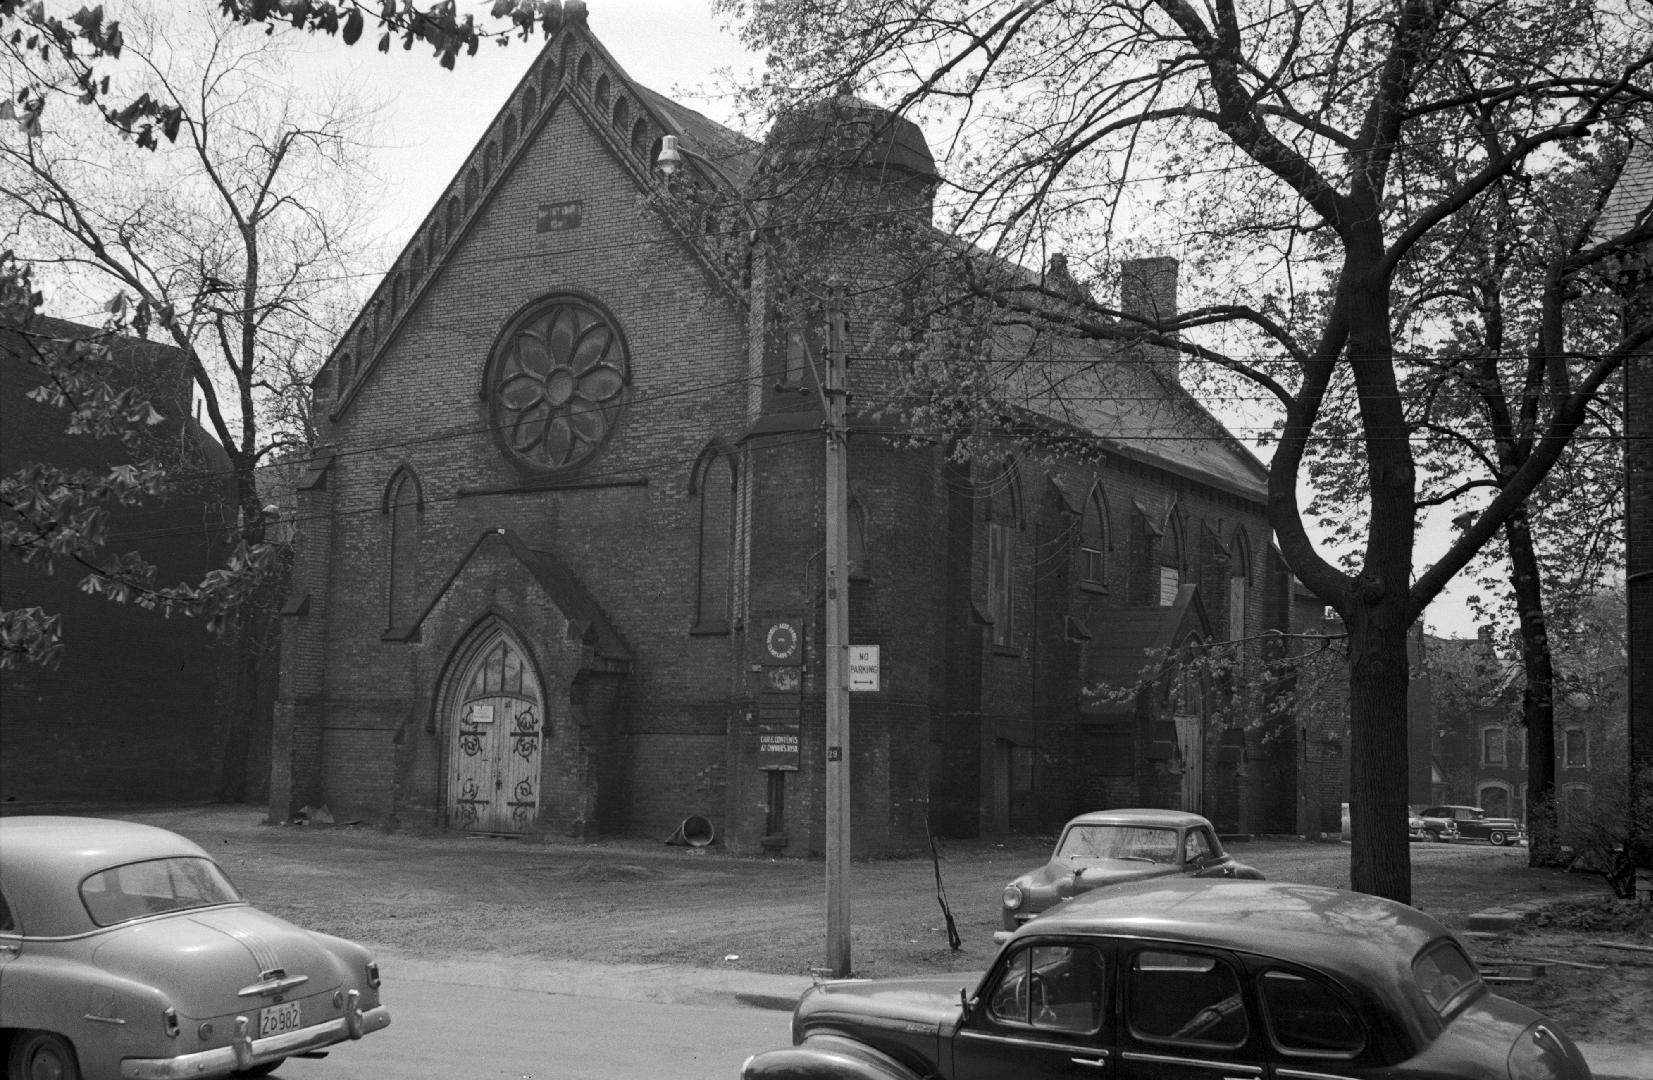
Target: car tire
point(1434, 836)
point(41, 1054)
point(265, 1069)
point(1498, 838)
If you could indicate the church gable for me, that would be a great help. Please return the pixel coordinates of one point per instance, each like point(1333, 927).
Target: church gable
point(604, 157)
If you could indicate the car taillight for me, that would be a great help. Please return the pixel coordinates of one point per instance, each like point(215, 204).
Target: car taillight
point(1013, 897)
point(169, 1020)
point(372, 974)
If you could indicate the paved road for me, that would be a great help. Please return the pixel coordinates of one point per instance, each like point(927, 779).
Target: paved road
point(470, 1018)
point(551, 1022)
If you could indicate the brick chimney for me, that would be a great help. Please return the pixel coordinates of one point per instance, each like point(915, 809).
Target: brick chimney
point(1148, 288)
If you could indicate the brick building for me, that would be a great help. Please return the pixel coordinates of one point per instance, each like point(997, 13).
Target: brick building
point(1476, 742)
point(560, 559)
point(1631, 204)
point(136, 709)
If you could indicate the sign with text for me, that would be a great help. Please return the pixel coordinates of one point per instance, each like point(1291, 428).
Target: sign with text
point(865, 672)
point(778, 746)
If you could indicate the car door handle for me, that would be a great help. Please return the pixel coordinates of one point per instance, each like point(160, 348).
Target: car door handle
point(1094, 1063)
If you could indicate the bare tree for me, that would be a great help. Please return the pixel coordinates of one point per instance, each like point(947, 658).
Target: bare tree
point(1295, 154)
point(238, 243)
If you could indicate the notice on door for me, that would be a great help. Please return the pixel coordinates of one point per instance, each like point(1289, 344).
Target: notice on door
point(865, 670)
point(778, 746)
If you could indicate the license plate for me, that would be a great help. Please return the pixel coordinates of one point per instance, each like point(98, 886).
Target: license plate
point(275, 1019)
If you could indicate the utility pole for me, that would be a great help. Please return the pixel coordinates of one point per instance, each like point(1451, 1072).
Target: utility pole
point(837, 643)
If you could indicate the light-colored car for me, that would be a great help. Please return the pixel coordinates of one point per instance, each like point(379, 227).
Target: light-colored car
point(1109, 847)
point(1188, 980)
point(1417, 828)
point(126, 952)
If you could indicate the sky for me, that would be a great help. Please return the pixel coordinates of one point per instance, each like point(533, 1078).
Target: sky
point(434, 116)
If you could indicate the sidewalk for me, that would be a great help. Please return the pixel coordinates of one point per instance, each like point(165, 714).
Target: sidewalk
point(667, 984)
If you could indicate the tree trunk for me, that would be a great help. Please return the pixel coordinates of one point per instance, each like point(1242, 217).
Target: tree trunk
point(1380, 861)
point(1378, 609)
point(1538, 698)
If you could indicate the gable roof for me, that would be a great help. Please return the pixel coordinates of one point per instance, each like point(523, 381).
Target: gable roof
point(1630, 203)
point(573, 69)
point(587, 623)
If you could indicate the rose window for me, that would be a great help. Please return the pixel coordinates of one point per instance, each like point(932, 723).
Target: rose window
point(557, 383)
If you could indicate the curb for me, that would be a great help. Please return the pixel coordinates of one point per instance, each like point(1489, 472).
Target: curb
point(665, 984)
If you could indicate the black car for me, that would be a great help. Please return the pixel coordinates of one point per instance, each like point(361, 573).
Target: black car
point(1188, 979)
point(1472, 823)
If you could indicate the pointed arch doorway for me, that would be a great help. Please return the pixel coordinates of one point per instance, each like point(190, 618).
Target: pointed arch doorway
point(496, 728)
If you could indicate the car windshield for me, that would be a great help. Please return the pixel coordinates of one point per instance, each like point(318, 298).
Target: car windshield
point(1119, 842)
point(1445, 975)
point(153, 887)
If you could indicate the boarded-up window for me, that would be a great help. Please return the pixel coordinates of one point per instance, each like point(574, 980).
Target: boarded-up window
point(1169, 580)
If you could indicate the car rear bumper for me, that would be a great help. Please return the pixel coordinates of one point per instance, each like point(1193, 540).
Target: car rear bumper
point(245, 1052)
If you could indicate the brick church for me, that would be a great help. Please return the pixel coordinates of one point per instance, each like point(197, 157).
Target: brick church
point(561, 565)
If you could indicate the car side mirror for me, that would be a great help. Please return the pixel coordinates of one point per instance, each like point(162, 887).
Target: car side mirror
point(966, 1003)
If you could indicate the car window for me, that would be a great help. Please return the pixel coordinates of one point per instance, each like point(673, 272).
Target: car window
point(1052, 987)
point(1309, 1016)
point(1445, 975)
point(153, 887)
point(8, 925)
point(1199, 845)
point(1185, 997)
point(1135, 842)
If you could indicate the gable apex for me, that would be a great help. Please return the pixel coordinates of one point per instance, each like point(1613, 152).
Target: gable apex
point(573, 67)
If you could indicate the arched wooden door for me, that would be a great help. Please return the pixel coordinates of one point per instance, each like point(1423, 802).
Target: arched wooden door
point(496, 729)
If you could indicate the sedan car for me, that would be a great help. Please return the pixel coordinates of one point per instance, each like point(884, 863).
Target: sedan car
point(1472, 823)
point(1188, 980)
point(1107, 847)
point(125, 951)
point(1419, 829)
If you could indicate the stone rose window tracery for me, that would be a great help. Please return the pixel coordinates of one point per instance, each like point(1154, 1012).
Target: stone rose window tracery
point(556, 384)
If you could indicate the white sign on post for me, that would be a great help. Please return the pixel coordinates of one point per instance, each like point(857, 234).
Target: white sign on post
point(864, 670)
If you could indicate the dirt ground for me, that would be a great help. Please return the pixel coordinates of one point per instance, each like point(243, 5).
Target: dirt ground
point(634, 902)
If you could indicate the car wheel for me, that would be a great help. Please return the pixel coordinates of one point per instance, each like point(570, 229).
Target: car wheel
point(1434, 836)
point(1498, 839)
point(262, 1070)
point(41, 1055)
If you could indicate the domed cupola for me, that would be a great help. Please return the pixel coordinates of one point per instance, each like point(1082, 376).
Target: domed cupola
point(849, 133)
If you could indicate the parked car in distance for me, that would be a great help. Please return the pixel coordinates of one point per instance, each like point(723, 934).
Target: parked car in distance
point(1418, 829)
point(1472, 824)
point(1176, 978)
point(1109, 847)
point(126, 952)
